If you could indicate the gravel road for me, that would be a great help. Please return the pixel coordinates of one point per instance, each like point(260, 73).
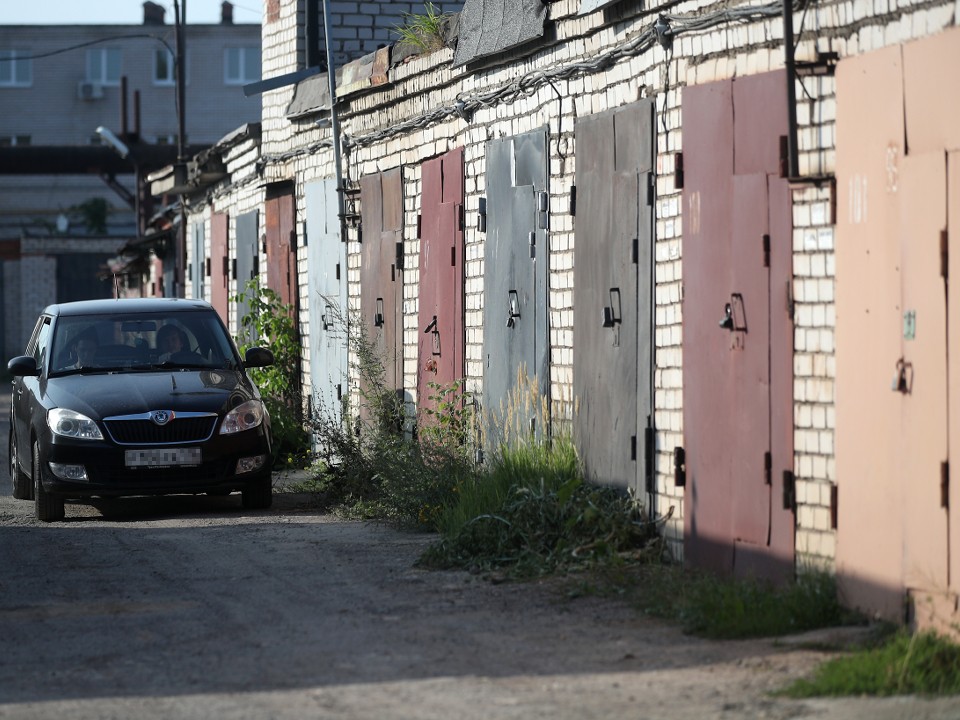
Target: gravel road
point(193, 608)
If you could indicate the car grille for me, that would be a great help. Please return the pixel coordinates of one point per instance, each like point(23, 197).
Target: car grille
point(141, 430)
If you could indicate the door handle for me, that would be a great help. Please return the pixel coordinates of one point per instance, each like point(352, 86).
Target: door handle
point(903, 377)
point(513, 308)
point(726, 322)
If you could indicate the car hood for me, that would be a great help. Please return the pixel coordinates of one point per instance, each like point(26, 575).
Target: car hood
point(104, 395)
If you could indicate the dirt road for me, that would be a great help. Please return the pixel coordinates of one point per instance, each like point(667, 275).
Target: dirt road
point(192, 608)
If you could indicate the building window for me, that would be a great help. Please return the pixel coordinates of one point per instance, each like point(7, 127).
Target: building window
point(241, 65)
point(164, 67)
point(14, 140)
point(16, 68)
point(103, 66)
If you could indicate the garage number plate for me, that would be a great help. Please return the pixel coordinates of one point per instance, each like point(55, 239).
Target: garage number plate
point(163, 457)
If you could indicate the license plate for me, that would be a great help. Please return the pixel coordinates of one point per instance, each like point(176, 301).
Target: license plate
point(166, 457)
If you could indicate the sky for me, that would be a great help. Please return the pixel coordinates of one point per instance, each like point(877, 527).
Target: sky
point(119, 12)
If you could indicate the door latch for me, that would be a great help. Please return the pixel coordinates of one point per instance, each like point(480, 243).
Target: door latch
point(903, 378)
point(513, 308)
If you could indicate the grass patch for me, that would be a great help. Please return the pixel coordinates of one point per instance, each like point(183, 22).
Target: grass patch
point(903, 664)
point(423, 32)
point(725, 608)
point(532, 514)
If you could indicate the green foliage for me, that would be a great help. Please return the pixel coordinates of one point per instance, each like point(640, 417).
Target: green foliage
point(270, 323)
point(94, 213)
point(532, 514)
point(716, 607)
point(373, 467)
point(904, 664)
point(424, 32)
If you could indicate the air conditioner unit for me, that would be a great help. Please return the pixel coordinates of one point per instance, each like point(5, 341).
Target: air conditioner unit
point(89, 91)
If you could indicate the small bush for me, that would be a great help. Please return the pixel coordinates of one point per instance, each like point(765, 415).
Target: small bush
point(270, 323)
point(423, 32)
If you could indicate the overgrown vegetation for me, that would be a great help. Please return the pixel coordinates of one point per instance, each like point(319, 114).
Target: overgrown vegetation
point(270, 323)
point(724, 608)
point(423, 32)
point(901, 664)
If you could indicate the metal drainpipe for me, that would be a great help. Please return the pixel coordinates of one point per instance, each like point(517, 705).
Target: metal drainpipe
point(334, 121)
point(181, 270)
point(788, 61)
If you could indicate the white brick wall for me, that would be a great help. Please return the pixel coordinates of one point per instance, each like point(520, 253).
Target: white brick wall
point(395, 126)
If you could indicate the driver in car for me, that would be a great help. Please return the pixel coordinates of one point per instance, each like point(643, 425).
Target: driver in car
point(171, 341)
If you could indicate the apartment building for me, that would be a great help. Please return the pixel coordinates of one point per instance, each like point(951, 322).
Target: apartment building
point(67, 196)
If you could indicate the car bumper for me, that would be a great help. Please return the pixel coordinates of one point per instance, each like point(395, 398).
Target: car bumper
point(108, 475)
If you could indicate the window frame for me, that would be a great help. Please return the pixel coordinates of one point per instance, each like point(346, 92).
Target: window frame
point(15, 63)
point(103, 64)
point(243, 55)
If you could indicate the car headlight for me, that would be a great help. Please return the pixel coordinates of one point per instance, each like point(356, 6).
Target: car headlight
point(71, 424)
point(243, 417)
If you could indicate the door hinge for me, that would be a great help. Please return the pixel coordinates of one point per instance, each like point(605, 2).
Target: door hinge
point(789, 491)
point(945, 484)
point(651, 189)
point(678, 172)
point(791, 306)
point(679, 467)
point(633, 447)
point(532, 239)
point(543, 209)
point(293, 239)
point(482, 215)
point(834, 518)
point(462, 215)
point(944, 255)
point(649, 450)
point(398, 255)
point(767, 468)
point(635, 251)
point(766, 251)
point(573, 201)
point(784, 156)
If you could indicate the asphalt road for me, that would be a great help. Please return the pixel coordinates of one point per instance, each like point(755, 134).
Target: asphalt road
point(193, 608)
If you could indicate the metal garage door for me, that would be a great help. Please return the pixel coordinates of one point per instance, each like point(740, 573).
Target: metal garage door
point(281, 244)
point(613, 321)
point(440, 329)
point(198, 259)
point(247, 264)
point(515, 298)
point(738, 333)
point(219, 262)
point(381, 270)
point(327, 298)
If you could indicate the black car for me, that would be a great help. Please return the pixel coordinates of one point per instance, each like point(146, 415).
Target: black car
point(136, 397)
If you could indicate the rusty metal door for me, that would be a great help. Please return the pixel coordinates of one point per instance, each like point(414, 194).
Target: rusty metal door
point(198, 256)
point(246, 265)
point(738, 332)
point(613, 321)
point(327, 299)
point(441, 326)
point(381, 270)
point(219, 263)
point(281, 244)
point(515, 336)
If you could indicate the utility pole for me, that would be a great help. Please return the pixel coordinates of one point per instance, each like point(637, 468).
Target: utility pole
point(180, 173)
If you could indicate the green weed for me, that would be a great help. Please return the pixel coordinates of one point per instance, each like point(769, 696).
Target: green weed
point(904, 664)
point(423, 32)
point(715, 607)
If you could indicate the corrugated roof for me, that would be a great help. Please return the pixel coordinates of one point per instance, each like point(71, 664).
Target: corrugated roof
point(488, 27)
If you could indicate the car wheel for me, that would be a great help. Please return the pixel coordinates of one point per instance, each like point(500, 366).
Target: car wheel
point(48, 506)
point(21, 481)
point(258, 495)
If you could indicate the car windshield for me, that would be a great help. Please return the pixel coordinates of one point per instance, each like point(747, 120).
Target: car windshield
point(140, 342)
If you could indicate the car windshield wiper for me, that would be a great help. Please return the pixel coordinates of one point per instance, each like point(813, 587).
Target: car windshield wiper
point(88, 370)
point(172, 364)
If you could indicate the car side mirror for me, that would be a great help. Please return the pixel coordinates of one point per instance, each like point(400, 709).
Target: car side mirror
point(23, 365)
point(258, 357)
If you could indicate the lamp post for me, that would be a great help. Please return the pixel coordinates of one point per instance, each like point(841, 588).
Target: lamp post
point(181, 250)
